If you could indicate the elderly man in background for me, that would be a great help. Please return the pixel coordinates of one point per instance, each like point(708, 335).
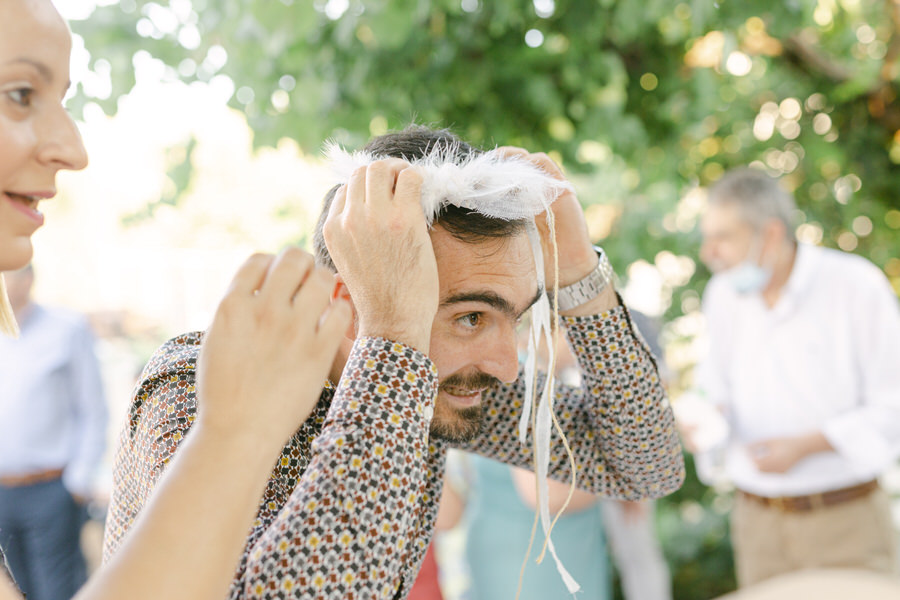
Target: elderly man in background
point(804, 362)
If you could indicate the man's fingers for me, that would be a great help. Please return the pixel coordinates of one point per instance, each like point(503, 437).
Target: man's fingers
point(409, 186)
point(338, 202)
point(381, 178)
point(250, 276)
point(333, 220)
point(512, 151)
point(758, 448)
point(285, 275)
point(356, 189)
point(539, 159)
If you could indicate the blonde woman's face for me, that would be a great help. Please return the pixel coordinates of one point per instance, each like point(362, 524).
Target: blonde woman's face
point(37, 136)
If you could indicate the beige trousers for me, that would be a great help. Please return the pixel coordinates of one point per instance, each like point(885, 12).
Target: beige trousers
point(768, 541)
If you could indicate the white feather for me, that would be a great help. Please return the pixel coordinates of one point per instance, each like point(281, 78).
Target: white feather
point(488, 183)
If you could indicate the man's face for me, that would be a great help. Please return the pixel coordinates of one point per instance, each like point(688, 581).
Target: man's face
point(727, 239)
point(484, 291)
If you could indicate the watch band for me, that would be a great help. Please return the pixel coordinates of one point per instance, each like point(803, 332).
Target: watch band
point(589, 287)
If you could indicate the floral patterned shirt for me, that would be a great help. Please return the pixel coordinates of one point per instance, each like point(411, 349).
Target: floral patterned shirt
point(350, 507)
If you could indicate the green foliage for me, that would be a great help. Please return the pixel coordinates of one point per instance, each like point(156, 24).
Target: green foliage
point(179, 175)
point(693, 528)
point(648, 82)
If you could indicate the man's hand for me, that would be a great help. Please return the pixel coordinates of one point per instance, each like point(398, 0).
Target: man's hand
point(779, 455)
point(268, 351)
point(378, 240)
point(577, 257)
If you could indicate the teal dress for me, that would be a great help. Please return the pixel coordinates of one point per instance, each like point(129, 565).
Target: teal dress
point(499, 526)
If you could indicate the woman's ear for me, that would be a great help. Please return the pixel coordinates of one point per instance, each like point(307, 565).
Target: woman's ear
point(340, 291)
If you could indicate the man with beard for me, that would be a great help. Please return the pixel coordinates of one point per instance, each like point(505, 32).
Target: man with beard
point(430, 362)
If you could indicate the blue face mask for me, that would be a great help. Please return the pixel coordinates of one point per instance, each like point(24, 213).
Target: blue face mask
point(749, 277)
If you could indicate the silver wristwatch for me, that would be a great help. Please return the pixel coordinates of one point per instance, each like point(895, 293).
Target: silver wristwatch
point(589, 287)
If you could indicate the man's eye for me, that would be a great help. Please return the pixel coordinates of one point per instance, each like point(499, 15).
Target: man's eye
point(21, 96)
point(471, 319)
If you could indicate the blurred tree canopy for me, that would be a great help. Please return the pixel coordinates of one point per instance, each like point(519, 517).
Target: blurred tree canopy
point(643, 101)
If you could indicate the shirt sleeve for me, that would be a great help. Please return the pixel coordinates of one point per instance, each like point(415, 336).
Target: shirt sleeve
point(711, 373)
point(869, 435)
point(161, 414)
point(618, 423)
point(348, 527)
point(89, 413)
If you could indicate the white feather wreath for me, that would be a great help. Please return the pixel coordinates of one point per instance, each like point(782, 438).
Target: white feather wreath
point(501, 187)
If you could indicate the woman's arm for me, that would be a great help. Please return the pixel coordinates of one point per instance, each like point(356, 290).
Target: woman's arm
point(526, 486)
point(261, 369)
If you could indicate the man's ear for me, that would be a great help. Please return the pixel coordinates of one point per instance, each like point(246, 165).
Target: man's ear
point(340, 291)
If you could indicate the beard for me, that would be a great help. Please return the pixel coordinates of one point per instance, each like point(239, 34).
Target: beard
point(454, 424)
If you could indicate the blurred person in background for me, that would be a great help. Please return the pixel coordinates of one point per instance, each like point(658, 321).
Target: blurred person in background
point(499, 515)
point(262, 365)
point(630, 525)
point(804, 363)
point(52, 437)
point(428, 582)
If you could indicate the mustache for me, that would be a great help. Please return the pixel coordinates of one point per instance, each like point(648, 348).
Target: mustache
point(470, 381)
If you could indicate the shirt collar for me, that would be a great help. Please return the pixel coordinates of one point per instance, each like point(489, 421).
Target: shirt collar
point(801, 277)
point(32, 315)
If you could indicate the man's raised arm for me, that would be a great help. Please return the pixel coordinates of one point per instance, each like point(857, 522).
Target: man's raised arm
point(618, 423)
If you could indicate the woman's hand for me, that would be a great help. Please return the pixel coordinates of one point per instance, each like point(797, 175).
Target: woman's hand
point(269, 349)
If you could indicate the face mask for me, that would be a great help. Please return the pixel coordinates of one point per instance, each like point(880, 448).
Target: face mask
point(749, 277)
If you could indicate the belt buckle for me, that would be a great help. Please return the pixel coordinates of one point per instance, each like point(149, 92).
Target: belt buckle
point(779, 503)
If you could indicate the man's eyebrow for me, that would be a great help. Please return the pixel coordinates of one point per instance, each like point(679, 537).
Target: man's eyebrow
point(41, 67)
point(494, 300)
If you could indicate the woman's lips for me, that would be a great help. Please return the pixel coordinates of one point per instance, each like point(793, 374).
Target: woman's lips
point(27, 205)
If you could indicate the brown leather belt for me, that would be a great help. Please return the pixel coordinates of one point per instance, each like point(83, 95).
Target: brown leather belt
point(813, 501)
point(30, 478)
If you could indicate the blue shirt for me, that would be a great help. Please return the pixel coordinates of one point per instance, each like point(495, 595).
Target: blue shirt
point(52, 409)
point(499, 526)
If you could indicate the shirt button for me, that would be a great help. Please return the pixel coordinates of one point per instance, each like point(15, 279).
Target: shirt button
point(428, 412)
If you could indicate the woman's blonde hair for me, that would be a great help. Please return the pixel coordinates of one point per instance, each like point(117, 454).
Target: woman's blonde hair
point(7, 318)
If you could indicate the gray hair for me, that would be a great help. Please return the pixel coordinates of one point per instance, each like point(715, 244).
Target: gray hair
point(757, 196)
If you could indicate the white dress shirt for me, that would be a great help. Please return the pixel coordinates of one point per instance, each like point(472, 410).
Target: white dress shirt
point(826, 357)
point(52, 408)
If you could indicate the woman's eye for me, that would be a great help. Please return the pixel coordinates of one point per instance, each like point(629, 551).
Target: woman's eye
point(21, 96)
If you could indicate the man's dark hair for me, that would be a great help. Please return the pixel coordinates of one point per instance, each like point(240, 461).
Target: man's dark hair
point(416, 141)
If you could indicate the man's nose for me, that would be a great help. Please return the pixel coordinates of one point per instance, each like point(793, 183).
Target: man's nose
point(500, 358)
